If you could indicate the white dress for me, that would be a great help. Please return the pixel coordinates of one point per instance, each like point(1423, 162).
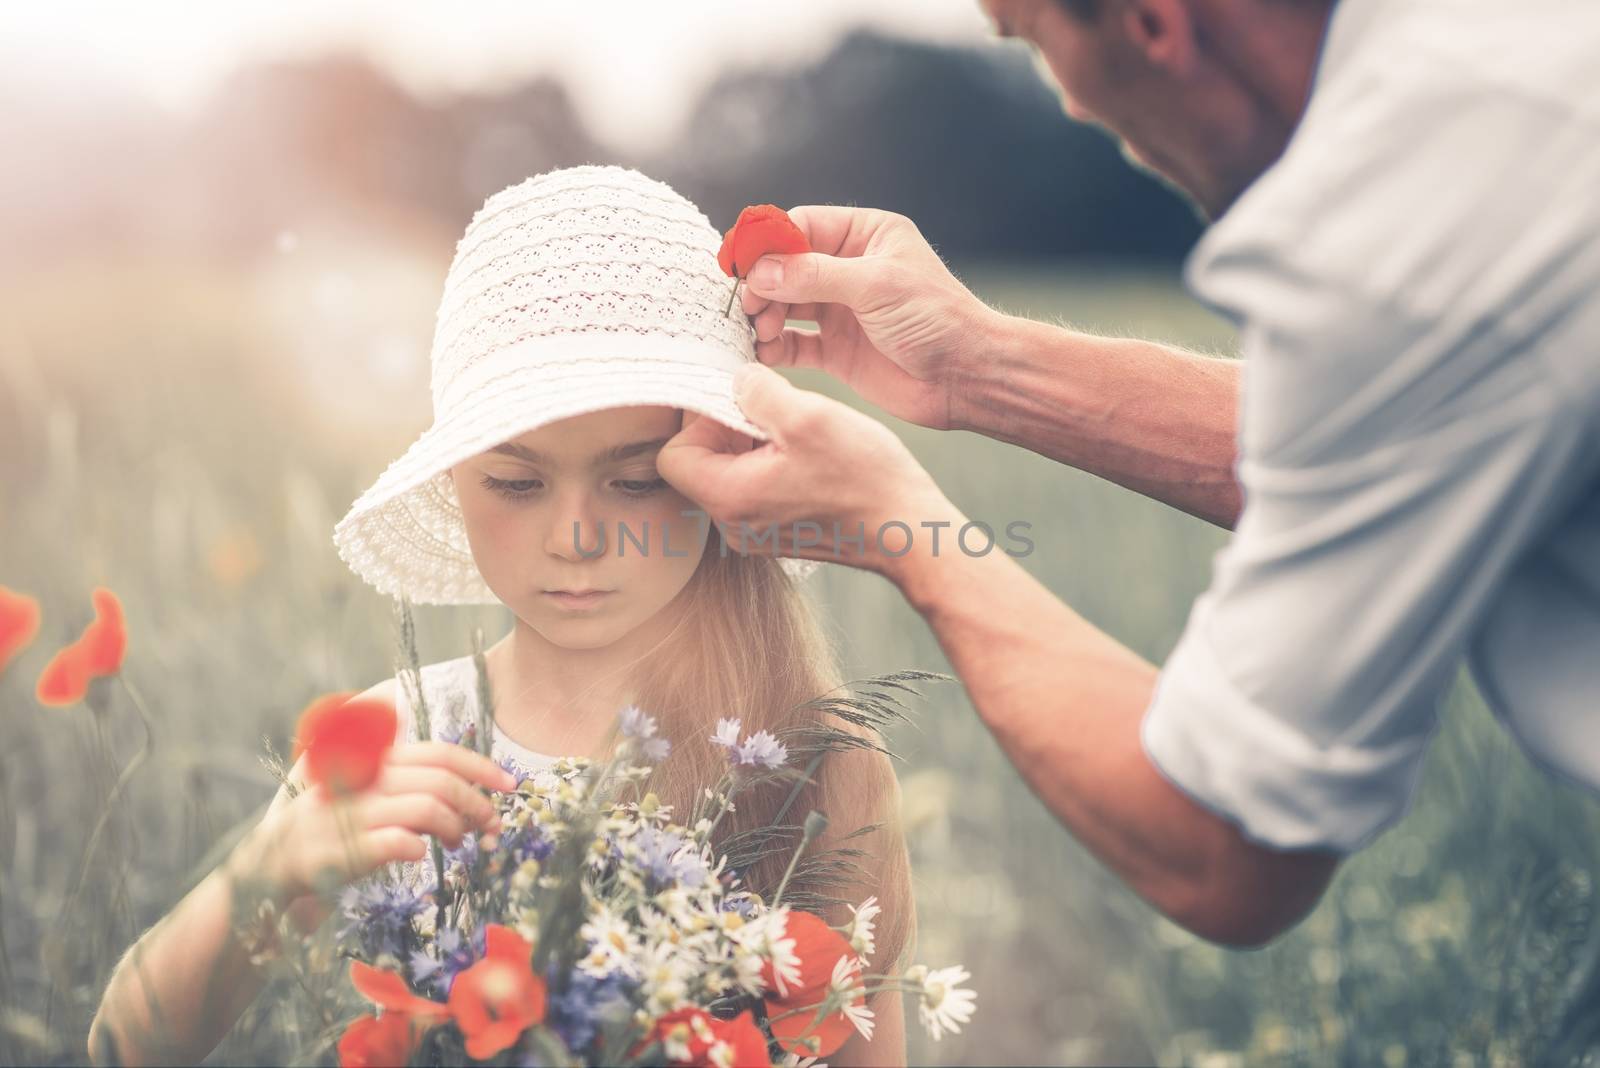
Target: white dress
point(450, 689)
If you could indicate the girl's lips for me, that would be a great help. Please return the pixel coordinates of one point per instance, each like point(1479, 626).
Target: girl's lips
point(574, 600)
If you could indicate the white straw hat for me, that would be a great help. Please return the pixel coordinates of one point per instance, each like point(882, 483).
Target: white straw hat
point(576, 290)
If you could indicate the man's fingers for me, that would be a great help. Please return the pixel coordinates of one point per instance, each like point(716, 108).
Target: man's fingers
point(695, 459)
point(752, 303)
point(836, 229)
point(769, 324)
point(811, 277)
point(793, 348)
point(706, 432)
point(774, 403)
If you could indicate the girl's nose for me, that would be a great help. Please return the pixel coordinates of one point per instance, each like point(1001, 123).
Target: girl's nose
point(576, 532)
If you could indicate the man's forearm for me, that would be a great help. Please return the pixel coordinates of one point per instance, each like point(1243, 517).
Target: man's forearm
point(1150, 417)
point(1065, 702)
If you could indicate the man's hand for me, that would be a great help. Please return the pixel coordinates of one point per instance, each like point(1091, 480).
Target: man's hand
point(827, 482)
point(894, 323)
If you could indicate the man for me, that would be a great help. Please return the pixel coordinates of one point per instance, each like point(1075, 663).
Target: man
point(1407, 233)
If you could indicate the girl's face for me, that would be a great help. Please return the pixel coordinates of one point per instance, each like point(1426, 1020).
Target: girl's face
point(536, 510)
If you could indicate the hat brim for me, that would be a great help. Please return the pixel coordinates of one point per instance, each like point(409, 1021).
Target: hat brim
point(405, 535)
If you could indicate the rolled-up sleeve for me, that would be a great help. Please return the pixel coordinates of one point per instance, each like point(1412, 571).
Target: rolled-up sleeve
point(1417, 419)
point(1394, 466)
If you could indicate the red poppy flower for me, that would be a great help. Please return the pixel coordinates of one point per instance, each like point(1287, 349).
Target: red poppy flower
point(97, 651)
point(819, 948)
point(760, 229)
point(106, 639)
point(499, 997)
point(691, 1036)
point(65, 679)
point(389, 992)
point(378, 1041)
point(19, 622)
point(345, 741)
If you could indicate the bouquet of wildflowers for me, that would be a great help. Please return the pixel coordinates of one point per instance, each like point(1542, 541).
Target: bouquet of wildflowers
point(600, 927)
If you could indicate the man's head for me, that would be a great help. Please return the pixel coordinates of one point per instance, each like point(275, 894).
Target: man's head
point(1204, 92)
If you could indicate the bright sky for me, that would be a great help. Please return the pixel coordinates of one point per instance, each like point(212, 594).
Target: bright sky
point(635, 67)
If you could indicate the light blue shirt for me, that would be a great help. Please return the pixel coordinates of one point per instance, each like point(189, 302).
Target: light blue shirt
point(1416, 284)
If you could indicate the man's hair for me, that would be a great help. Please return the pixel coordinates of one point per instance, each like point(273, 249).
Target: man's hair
point(1080, 9)
point(1088, 10)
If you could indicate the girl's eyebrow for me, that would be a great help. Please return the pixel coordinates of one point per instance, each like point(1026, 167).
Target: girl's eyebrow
point(611, 455)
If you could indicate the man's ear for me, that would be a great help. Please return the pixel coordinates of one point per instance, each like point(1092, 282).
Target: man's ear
point(1163, 31)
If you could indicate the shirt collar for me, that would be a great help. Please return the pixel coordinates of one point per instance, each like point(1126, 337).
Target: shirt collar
point(1348, 23)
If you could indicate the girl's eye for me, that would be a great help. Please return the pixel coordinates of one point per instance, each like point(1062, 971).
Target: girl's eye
point(640, 487)
point(512, 488)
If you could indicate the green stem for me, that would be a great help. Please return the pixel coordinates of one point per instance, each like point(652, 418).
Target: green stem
point(815, 822)
point(896, 983)
point(108, 807)
point(811, 769)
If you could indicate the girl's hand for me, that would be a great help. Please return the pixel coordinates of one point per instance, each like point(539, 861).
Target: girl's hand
point(424, 788)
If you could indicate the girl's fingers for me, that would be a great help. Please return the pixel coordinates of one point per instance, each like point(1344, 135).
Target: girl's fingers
point(385, 845)
point(447, 786)
point(418, 813)
point(472, 766)
point(343, 858)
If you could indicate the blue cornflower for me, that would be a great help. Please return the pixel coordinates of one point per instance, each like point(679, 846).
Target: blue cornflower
point(518, 844)
point(452, 954)
point(763, 749)
point(380, 917)
point(587, 1004)
point(636, 723)
point(663, 857)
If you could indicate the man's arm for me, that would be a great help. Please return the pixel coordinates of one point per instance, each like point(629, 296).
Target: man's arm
point(1065, 701)
point(1153, 418)
point(897, 327)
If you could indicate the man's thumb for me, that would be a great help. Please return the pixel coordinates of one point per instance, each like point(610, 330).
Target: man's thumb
point(760, 393)
point(806, 277)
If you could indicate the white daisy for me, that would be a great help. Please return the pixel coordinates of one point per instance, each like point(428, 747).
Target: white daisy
point(612, 945)
point(846, 984)
point(862, 938)
point(944, 1005)
point(764, 935)
point(664, 977)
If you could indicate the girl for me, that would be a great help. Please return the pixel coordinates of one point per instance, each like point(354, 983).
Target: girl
point(583, 315)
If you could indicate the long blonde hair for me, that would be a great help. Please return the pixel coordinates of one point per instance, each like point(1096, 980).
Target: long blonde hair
point(747, 643)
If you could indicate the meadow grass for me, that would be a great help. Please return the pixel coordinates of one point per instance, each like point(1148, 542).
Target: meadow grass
point(159, 436)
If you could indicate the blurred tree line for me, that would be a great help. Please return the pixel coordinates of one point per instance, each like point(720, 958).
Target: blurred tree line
point(971, 143)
